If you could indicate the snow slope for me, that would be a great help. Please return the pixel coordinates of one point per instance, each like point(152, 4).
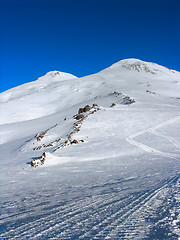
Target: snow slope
point(35, 99)
point(119, 180)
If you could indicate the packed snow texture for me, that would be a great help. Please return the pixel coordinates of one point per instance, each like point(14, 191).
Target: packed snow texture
point(111, 172)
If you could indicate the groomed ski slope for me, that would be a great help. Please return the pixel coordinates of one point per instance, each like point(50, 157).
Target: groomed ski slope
point(120, 182)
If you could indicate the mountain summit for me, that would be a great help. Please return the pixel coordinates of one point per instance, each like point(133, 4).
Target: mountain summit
point(56, 75)
point(141, 66)
point(94, 157)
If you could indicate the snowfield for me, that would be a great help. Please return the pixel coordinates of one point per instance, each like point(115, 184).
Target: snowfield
point(96, 157)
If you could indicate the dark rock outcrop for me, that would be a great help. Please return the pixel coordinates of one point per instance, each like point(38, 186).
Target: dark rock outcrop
point(80, 116)
point(74, 141)
point(113, 104)
point(81, 110)
point(39, 161)
point(87, 108)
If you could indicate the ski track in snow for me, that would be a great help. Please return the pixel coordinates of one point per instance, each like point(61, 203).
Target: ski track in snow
point(147, 148)
point(108, 216)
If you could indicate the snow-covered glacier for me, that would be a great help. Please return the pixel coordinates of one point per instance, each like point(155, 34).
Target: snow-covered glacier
point(96, 157)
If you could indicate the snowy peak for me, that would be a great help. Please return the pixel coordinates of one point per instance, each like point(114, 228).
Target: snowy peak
point(56, 75)
point(137, 65)
point(42, 83)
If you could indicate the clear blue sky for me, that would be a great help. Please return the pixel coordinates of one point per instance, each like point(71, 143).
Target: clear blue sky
point(84, 36)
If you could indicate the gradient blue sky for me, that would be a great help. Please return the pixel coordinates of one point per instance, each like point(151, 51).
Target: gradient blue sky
point(83, 37)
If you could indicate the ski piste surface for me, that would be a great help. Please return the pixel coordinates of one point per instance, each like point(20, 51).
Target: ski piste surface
point(108, 174)
point(146, 148)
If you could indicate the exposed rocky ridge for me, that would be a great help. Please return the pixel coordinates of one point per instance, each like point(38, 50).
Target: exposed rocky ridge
point(82, 114)
point(125, 99)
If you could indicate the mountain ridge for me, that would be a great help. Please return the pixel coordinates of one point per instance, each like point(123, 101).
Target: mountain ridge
point(125, 63)
point(40, 98)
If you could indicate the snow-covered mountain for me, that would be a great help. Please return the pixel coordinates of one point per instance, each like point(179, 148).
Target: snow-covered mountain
point(94, 157)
